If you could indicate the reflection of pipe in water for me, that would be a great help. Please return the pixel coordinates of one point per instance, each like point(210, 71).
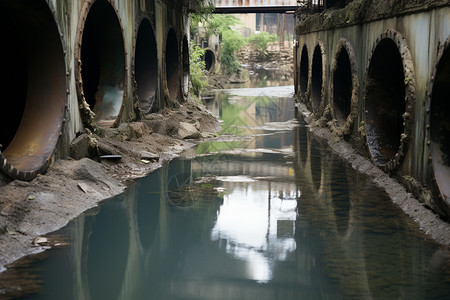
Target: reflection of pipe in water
point(102, 270)
point(310, 161)
point(343, 253)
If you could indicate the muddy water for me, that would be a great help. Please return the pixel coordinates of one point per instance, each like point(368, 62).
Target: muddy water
point(272, 214)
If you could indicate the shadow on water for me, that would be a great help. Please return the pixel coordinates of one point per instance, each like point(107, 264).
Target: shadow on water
point(272, 216)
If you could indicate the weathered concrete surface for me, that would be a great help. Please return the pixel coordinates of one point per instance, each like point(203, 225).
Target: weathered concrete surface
point(417, 30)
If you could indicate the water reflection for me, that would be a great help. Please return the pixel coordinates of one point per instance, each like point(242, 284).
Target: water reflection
point(282, 218)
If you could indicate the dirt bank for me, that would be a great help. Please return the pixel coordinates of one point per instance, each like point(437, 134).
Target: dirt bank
point(31, 209)
point(429, 222)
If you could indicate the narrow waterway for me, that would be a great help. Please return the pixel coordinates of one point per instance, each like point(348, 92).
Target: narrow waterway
point(272, 214)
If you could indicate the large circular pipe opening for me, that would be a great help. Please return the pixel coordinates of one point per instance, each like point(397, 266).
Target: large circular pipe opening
point(316, 79)
point(342, 87)
point(103, 63)
point(440, 123)
point(33, 87)
point(304, 72)
point(185, 66)
point(345, 88)
point(210, 60)
point(146, 66)
point(172, 65)
point(385, 102)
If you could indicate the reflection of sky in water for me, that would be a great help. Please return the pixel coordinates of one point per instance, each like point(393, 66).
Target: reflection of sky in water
point(256, 225)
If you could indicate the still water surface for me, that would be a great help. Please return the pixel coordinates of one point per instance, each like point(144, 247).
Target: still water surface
point(274, 216)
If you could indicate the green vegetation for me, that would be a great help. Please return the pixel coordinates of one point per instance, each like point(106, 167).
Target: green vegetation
point(260, 41)
point(222, 26)
point(230, 40)
point(202, 14)
point(196, 70)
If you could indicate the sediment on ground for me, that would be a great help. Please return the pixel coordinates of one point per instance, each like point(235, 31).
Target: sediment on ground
point(99, 168)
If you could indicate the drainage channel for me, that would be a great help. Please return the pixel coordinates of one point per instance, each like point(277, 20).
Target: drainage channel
point(270, 214)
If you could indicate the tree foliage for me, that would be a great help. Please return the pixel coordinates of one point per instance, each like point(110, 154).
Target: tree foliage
point(196, 70)
point(230, 39)
point(260, 41)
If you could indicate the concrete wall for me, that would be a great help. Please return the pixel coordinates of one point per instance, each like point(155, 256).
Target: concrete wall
point(70, 59)
point(390, 60)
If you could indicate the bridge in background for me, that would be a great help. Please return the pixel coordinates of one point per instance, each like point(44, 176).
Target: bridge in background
point(256, 6)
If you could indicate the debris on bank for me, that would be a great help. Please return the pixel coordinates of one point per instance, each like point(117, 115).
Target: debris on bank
point(99, 168)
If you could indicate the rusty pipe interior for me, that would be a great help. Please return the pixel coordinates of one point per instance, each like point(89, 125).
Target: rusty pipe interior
point(33, 84)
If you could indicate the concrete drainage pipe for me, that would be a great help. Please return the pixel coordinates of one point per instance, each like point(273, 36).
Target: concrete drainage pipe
point(100, 54)
point(439, 127)
point(146, 66)
point(389, 100)
point(33, 88)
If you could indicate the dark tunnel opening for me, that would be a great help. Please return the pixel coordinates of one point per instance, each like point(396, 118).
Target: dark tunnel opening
point(33, 86)
point(385, 102)
point(172, 65)
point(304, 72)
point(316, 79)
point(440, 125)
point(146, 66)
point(210, 60)
point(103, 63)
point(185, 65)
point(342, 87)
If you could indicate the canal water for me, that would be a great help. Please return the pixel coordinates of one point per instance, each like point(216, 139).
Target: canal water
point(269, 214)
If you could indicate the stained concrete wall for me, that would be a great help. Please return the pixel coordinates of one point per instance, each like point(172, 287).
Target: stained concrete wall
point(85, 79)
point(417, 37)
